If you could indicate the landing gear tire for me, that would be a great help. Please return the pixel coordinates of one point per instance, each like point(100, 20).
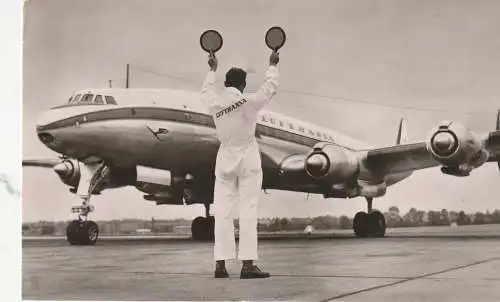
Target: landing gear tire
point(82, 232)
point(369, 225)
point(73, 232)
point(377, 223)
point(360, 224)
point(202, 228)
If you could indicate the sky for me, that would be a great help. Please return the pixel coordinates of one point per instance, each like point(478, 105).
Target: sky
point(375, 60)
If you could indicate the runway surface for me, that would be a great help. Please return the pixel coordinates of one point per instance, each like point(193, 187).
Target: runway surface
point(407, 266)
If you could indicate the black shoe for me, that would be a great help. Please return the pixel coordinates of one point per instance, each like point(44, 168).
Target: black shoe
point(252, 272)
point(220, 272)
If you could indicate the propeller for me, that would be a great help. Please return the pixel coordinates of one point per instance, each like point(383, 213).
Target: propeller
point(498, 120)
point(43, 163)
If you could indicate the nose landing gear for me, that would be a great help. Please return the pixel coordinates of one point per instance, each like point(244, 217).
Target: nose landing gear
point(82, 231)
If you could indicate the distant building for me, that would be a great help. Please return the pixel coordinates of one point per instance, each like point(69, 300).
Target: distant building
point(143, 231)
point(182, 229)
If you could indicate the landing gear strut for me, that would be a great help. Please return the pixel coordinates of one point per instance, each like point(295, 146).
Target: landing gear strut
point(371, 224)
point(202, 228)
point(82, 231)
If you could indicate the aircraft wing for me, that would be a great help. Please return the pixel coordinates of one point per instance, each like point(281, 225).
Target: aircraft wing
point(450, 145)
point(399, 158)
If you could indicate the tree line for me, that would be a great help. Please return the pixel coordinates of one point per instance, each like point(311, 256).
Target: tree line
point(394, 218)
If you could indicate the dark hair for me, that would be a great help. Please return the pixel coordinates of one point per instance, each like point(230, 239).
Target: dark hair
point(235, 77)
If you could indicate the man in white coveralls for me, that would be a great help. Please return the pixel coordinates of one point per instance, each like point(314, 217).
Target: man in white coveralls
point(238, 169)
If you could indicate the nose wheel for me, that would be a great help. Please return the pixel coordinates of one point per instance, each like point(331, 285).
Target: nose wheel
point(80, 232)
point(371, 224)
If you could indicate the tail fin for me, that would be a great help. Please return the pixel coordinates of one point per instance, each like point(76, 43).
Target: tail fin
point(402, 132)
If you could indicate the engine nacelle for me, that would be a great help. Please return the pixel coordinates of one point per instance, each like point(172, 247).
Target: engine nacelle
point(165, 198)
point(161, 186)
point(331, 163)
point(69, 172)
point(457, 148)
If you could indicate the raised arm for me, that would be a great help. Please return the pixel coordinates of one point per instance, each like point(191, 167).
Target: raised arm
point(208, 93)
point(270, 87)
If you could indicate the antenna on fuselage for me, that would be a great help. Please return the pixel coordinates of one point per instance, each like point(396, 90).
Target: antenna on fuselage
point(128, 76)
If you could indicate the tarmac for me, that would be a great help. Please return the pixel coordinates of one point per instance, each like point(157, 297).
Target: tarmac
point(418, 264)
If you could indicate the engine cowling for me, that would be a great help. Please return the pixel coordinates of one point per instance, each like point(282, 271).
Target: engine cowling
point(457, 148)
point(159, 184)
point(69, 172)
point(331, 163)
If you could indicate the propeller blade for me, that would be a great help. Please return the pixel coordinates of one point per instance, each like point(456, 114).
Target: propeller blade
point(44, 163)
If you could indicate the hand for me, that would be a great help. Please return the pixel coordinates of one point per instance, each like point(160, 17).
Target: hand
point(212, 62)
point(274, 58)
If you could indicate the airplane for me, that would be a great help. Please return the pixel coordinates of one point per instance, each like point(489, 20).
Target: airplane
point(164, 143)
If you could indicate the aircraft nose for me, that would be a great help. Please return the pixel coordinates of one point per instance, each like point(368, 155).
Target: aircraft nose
point(46, 118)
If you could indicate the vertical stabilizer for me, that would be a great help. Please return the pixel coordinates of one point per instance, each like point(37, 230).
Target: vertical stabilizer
point(402, 137)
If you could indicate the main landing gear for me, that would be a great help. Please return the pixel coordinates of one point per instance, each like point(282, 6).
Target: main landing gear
point(202, 228)
point(371, 224)
point(82, 231)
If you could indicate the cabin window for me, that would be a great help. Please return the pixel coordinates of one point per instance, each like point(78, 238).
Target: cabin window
point(98, 99)
point(291, 126)
point(263, 119)
point(87, 98)
point(310, 132)
point(273, 121)
point(110, 100)
point(302, 129)
point(282, 124)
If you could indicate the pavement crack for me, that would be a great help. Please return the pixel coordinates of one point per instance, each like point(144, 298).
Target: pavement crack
point(368, 289)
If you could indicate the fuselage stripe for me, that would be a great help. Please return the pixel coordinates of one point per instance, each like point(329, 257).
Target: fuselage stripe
point(174, 115)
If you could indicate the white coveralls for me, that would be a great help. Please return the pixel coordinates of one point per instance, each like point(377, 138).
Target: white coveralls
point(238, 170)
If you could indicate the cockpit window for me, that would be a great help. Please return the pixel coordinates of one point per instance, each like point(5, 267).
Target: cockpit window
point(98, 99)
point(110, 100)
point(74, 99)
point(87, 98)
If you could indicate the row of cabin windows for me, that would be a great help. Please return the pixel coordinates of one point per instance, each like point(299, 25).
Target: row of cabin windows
point(291, 126)
point(89, 98)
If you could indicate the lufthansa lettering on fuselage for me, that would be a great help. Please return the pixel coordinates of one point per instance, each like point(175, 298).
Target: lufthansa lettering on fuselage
point(230, 108)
